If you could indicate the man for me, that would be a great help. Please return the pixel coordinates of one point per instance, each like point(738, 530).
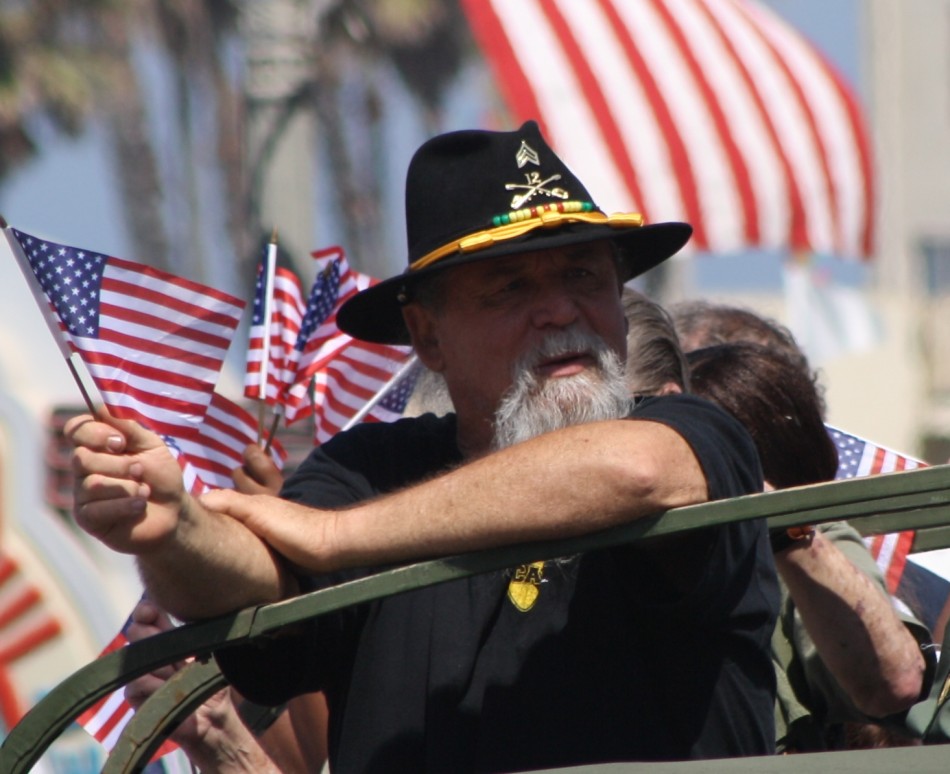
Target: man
point(653, 651)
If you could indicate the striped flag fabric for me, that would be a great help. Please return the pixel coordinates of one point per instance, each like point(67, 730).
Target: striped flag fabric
point(152, 342)
point(25, 623)
point(352, 379)
point(345, 372)
point(227, 430)
point(287, 312)
point(860, 457)
point(319, 339)
point(925, 592)
point(715, 112)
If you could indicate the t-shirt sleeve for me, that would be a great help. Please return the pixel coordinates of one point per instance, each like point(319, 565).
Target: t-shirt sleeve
point(722, 446)
point(730, 565)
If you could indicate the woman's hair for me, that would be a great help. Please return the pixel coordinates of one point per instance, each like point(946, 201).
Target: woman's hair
point(704, 324)
point(654, 356)
point(777, 402)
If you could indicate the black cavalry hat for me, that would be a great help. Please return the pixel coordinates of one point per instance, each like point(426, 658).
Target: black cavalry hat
point(474, 195)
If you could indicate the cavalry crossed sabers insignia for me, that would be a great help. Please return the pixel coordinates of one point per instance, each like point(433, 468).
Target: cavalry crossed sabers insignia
point(535, 185)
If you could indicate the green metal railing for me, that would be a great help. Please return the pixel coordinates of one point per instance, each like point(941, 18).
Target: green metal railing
point(917, 499)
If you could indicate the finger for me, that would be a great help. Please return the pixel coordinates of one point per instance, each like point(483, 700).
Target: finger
point(96, 487)
point(234, 504)
point(88, 462)
point(259, 473)
point(246, 484)
point(106, 433)
point(103, 518)
point(145, 613)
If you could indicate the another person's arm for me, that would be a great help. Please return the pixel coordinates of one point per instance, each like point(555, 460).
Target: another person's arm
point(857, 633)
point(213, 737)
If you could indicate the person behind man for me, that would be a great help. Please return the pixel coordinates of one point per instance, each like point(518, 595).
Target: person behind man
point(646, 651)
point(834, 668)
point(656, 364)
point(699, 323)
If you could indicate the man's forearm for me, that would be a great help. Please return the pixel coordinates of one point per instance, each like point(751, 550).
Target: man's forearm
point(212, 565)
point(856, 631)
point(570, 482)
point(563, 484)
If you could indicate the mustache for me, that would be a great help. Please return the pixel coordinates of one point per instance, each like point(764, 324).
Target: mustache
point(557, 344)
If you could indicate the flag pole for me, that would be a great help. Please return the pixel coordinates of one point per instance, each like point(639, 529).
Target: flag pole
point(270, 267)
point(381, 393)
point(72, 358)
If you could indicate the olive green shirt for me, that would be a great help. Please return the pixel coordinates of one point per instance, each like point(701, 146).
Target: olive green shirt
point(811, 707)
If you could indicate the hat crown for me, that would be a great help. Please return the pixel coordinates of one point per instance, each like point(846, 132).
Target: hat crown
point(480, 175)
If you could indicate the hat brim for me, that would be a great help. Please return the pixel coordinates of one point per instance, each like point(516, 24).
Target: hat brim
point(375, 314)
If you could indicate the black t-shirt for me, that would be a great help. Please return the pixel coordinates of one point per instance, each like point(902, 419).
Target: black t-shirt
point(596, 658)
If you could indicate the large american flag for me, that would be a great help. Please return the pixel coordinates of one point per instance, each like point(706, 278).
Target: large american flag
point(715, 112)
point(287, 312)
point(922, 590)
point(152, 342)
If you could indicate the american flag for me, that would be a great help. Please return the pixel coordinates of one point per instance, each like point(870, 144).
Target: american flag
point(154, 345)
point(346, 372)
point(353, 379)
point(860, 457)
point(715, 112)
point(105, 719)
point(227, 430)
point(287, 311)
point(152, 342)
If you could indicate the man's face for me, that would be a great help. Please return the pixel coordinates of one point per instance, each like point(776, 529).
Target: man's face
point(498, 312)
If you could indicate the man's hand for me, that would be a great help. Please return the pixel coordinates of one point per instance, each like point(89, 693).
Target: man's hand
point(129, 491)
point(298, 532)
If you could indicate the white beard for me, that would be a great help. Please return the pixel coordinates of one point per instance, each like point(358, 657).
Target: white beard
point(533, 406)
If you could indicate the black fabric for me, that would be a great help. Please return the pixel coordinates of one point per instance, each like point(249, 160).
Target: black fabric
point(611, 663)
point(480, 176)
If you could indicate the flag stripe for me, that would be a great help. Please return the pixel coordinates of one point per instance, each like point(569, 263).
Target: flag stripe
point(712, 111)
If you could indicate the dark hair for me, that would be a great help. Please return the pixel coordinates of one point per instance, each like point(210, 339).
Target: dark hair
point(654, 355)
point(704, 324)
point(776, 402)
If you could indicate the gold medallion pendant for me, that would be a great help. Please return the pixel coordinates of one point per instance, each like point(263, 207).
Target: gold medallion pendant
point(525, 586)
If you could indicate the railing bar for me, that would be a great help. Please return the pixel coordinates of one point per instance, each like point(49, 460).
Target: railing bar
point(931, 538)
point(921, 491)
point(183, 693)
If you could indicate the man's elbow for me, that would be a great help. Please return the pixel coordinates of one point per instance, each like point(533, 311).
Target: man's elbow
point(893, 694)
